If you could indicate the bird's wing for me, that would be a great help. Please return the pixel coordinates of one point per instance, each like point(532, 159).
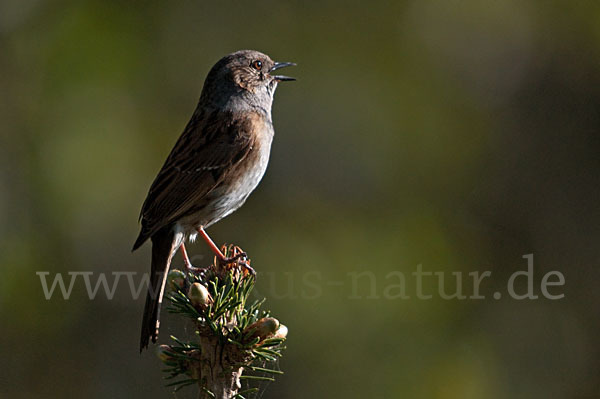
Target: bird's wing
point(211, 144)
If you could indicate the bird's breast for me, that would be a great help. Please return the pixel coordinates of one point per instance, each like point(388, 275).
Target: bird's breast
point(245, 176)
point(250, 170)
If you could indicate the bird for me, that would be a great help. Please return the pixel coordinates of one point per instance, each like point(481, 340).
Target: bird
point(216, 163)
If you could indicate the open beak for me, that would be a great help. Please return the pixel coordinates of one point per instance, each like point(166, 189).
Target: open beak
point(282, 78)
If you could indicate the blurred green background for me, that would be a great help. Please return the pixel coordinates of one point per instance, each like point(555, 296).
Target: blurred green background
point(456, 135)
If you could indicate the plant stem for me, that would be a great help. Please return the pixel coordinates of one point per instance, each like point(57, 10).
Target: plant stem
point(218, 377)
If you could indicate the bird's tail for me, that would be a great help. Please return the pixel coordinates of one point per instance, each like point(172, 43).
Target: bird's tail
point(163, 248)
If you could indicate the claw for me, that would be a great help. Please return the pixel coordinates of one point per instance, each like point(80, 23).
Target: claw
point(233, 258)
point(249, 268)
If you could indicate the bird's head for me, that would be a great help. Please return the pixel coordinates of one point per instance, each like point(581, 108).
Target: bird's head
point(245, 75)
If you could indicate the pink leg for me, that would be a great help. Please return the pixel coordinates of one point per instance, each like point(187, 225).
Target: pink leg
point(211, 244)
point(216, 249)
point(186, 259)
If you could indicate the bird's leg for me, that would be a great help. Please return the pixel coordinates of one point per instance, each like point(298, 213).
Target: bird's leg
point(222, 258)
point(186, 259)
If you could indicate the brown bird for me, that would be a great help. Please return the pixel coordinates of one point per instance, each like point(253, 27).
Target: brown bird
point(218, 160)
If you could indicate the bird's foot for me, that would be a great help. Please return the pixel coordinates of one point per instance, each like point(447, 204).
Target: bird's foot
point(193, 269)
point(248, 268)
point(238, 258)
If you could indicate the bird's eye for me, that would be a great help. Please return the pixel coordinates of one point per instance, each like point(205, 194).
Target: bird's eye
point(257, 65)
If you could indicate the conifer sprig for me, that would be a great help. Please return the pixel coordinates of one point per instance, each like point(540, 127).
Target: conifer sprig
point(244, 336)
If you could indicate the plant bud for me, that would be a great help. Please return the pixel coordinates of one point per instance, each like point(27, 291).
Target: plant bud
point(176, 279)
point(264, 327)
point(199, 295)
point(281, 332)
point(164, 353)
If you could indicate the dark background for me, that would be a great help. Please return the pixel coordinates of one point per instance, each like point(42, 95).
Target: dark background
point(456, 135)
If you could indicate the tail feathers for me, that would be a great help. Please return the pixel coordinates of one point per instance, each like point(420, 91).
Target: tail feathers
point(163, 246)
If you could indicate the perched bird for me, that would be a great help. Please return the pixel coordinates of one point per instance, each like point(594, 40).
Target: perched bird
point(218, 160)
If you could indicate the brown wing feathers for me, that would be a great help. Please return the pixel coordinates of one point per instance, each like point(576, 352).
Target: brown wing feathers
point(195, 166)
